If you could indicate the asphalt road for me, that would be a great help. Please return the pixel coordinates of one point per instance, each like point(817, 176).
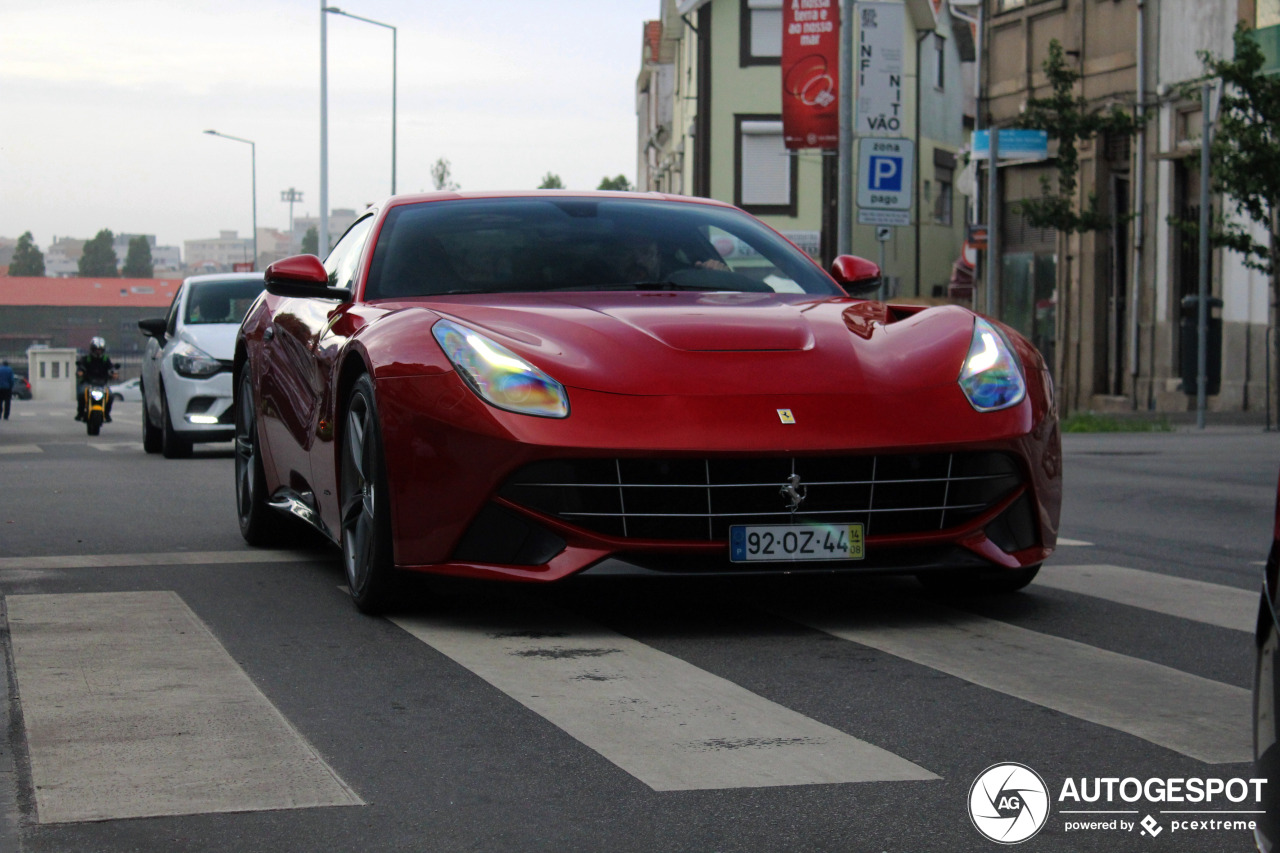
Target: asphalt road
point(171, 689)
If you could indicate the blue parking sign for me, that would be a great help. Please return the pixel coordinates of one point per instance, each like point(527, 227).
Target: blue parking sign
point(886, 174)
point(885, 170)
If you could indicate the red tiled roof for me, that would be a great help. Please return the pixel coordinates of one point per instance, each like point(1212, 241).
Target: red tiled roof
point(96, 292)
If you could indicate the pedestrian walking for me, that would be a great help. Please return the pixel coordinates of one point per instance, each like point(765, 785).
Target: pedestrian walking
point(6, 388)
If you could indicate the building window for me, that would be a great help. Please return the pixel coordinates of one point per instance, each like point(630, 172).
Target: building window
point(761, 30)
point(942, 204)
point(939, 62)
point(1006, 5)
point(1268, 13)
point(765, 179)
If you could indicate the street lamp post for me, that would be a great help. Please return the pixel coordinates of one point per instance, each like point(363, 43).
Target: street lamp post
point(324, 113)
point(253, 164)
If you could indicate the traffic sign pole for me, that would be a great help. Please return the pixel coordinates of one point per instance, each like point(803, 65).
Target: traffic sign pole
point(844, 192)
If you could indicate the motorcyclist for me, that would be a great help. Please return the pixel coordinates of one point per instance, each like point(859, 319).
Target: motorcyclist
point(96, 369)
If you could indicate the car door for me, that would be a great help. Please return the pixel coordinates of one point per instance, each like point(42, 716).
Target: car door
point(294, 369)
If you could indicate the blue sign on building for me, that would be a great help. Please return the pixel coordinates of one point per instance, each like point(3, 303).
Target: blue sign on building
point(1014, 144)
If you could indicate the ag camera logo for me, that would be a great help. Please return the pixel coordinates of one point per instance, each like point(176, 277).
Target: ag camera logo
point(1008, 803)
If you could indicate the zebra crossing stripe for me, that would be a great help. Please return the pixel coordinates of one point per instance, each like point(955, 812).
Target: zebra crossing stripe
point(1200, 718)
point(171, 558)
point(664, 721)
point(20, 448)
point(1212, 604)
point(133, 709)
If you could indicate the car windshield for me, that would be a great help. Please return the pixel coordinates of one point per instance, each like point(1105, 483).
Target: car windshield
point(221, 301)
point(536, 245)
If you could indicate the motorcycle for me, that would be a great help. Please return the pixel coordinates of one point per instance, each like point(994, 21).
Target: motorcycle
point(95, 406)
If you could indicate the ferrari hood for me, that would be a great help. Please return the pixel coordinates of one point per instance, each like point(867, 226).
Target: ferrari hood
point(663, 343)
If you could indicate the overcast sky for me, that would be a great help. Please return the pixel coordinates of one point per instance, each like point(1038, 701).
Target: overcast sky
point(103, 104)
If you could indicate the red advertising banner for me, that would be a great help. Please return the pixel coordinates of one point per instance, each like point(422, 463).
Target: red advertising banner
point(811, 73)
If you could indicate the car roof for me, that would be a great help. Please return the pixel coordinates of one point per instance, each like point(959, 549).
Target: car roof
point(414, 198)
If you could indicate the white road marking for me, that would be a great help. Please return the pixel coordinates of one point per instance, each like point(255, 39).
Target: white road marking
point(133, 709)
point(1195, 716)
point(1073, 543)
point(173, 558)
point(1212, 604)
point(669, 724)
point(113, 446)
point(20, 448)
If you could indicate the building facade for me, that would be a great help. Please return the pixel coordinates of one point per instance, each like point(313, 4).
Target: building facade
point(709, 123)
point(1109, 304)
point(218, 254)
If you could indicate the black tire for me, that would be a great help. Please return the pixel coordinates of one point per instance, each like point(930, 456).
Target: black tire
point(172, 445)
point(365, 524)
point(152, 440)
point(998, 582)
point(260, 525)
point(94, 423)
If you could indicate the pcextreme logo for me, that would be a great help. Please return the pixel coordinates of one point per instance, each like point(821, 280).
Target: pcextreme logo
point(1008, 803)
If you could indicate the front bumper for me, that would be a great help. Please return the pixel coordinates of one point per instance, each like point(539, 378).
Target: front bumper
point(454, 511)
point(201, 408)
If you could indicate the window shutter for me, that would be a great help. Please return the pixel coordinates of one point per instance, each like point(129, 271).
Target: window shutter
point(766, 166)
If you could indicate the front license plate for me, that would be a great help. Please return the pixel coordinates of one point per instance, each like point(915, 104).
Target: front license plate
point(749, 543)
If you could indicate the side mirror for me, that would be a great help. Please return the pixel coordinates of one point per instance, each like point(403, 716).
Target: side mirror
point(154, 327)
point(302, 275)
point(856, 275)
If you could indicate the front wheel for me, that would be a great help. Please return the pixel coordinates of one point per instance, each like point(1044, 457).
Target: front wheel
point(93, 423)
point(366, 505)
point(152, 440)
point(259, 524)
point(996, 582)
point(172, 445)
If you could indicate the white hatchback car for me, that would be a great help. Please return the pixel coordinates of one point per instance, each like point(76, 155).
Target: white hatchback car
point(186, 371)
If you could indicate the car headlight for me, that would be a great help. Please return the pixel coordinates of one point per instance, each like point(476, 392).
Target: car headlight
point(500, 376)
point(991, 377)
point(193, 362)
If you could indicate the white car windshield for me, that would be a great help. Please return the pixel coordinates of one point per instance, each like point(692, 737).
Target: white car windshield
point(221, 301)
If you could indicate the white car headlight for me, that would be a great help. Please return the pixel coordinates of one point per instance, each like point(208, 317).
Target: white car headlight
point(193, 362)
point(500, 376)
point(991, 377)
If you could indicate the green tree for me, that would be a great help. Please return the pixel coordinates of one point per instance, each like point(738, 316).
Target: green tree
point(1068, 119)
point(27, 259)
point(551, 181)
point(311, 242)
point(1245, 152)
point(441, 175)
point(99, 258)
point(137, 261)
point(1244, 156)
point(619, 183)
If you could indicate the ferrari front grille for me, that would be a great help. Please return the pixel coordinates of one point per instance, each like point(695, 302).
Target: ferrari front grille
point(699, 499)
